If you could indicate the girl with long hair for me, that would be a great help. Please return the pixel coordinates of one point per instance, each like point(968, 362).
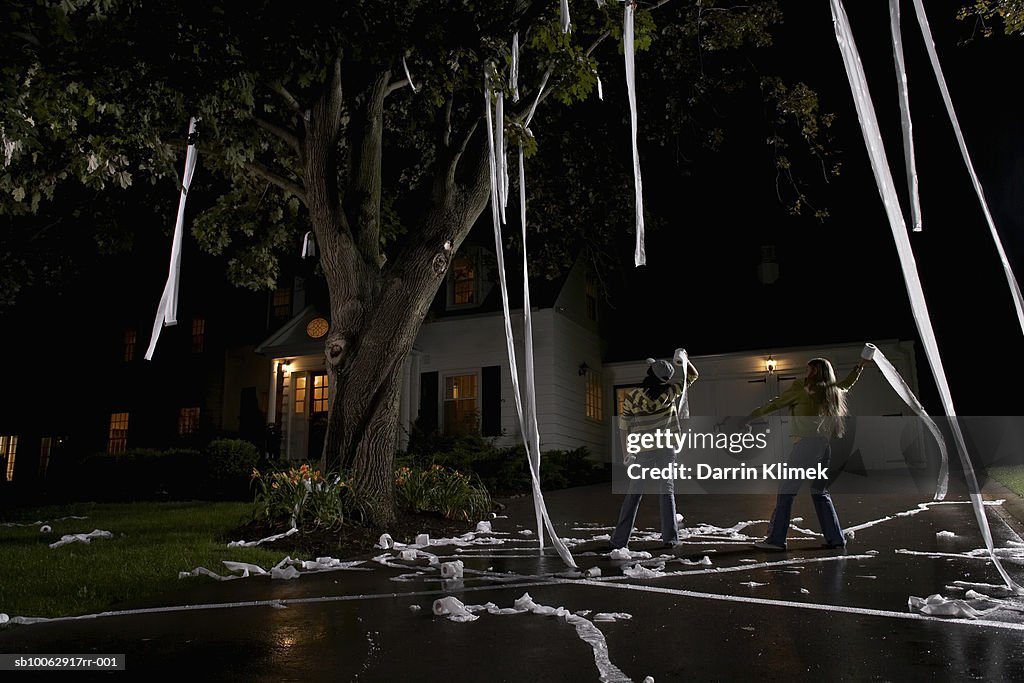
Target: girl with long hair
point(817, 408)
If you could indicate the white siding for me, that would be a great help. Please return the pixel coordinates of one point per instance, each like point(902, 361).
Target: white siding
point(464, 345)
point(561, 390)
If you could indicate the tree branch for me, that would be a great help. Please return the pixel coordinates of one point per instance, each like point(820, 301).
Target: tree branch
point(335, 103)
point(288, 97)
point(281, 132)
point(397, 85)
point(589, 51)
point(288, 186)
point(446, 122)
point(362, 201)
point(453, 163)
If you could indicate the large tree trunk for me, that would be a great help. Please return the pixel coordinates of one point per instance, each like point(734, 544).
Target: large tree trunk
point(376, 307)
point(371, 337)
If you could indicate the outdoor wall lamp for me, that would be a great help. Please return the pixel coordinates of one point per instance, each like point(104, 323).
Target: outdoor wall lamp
point(583, 368)
point(770, 365)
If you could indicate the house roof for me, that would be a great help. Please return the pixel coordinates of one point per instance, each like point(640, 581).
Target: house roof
point(291, 339)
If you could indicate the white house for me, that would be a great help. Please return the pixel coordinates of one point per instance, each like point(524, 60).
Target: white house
point(457, 378)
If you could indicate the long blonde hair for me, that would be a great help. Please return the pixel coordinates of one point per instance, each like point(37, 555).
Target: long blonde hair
point(829, 399)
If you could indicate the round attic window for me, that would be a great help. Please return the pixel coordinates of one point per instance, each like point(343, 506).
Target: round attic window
point(317, 328)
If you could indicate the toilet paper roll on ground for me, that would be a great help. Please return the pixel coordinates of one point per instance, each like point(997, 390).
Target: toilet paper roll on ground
point(386, 542)
point(869, 351)
point(483, 527)
point(423, 539)
point(409, 555)
point(452, 570)
point(453, 608)
point(45, 529)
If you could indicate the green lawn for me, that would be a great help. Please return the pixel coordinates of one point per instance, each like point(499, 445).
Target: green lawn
point(152, 542)
point(1012, 477)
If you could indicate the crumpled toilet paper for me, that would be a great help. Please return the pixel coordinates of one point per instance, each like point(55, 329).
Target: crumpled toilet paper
point(81, 538)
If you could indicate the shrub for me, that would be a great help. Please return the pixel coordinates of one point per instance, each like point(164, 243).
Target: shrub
point(503, 470)
point(135, 475)
point(300, 496)
point(228, 465)
point(437, 489)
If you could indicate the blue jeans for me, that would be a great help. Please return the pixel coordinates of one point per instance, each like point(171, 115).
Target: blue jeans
point(631, 504)
point(807, 452)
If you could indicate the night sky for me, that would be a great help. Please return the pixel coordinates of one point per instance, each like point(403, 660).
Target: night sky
point(840, 280)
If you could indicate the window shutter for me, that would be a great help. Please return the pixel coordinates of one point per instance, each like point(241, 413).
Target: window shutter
point(490, 404)
point(427, 419)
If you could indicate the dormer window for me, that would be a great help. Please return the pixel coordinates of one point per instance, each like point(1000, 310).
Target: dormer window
point(464, 282)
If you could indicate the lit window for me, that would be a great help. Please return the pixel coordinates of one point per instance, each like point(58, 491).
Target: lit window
point(300, 394)
point(198, 331)
point(117, 440)
point(129, 344)
point(8, 449)
point(320, 393)
point(460, 410)
point(620, 397)
point(595, 396)
point(281, 303)
point(188, 421)
point(591, 296)
point(463, 281)
point(45, 446)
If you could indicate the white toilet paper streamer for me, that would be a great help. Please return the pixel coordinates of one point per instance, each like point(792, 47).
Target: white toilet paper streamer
point(81, 538)
point(937, 605)
point(497, 221)
point(639, 255)
point(408, 76)
point(40, 521)
point(308, 245)
point(887, 190)
point(167, 309)
point(901, 388)
point(933, 57)
point(268, 539)
point(455, 610)
point(908, 128)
